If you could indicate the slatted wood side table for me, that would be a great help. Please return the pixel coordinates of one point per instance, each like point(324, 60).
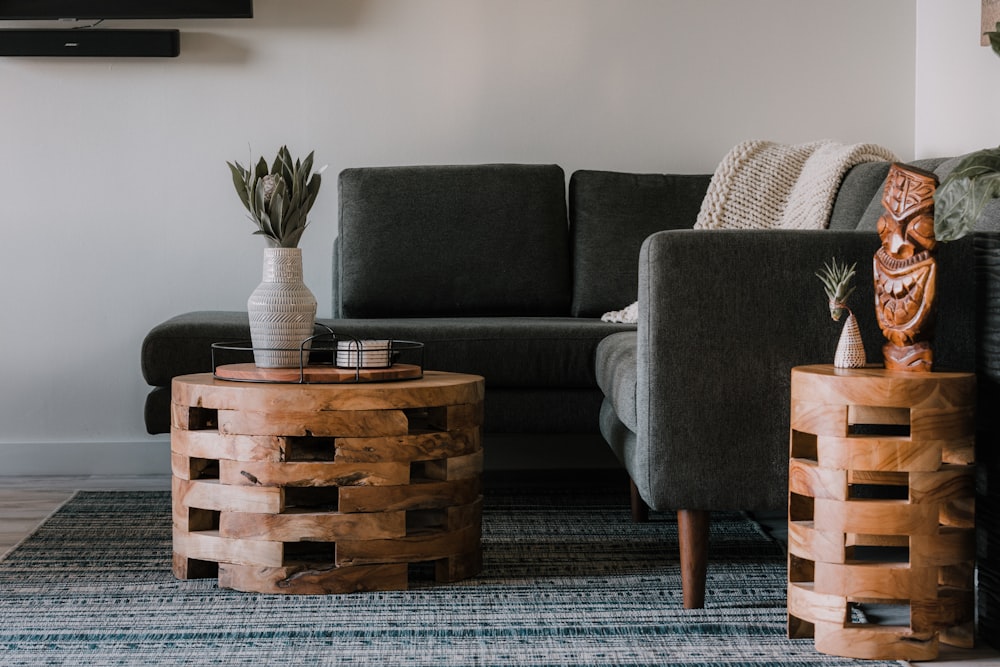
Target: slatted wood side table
point(326, 488)
point(881, 483)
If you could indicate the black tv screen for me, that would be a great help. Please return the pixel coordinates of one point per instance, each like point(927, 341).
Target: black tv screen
point(124, 9)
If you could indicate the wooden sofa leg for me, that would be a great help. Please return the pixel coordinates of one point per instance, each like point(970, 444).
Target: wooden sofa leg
point(640, 510)
point(692, 528)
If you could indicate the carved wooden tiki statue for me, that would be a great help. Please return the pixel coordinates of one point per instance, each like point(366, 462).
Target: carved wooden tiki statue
point(906, 270)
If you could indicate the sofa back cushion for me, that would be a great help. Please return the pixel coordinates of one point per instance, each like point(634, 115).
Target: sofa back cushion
point(861, 185)
point(434, 241)
point(611, 214)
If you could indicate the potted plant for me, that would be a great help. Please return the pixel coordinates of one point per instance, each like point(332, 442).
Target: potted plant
point(837, 279)
point(282, 310)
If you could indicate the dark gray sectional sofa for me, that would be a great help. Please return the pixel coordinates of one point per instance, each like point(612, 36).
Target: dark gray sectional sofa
point(504, 271)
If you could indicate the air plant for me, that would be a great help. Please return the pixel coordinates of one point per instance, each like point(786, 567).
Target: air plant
point(837, 280)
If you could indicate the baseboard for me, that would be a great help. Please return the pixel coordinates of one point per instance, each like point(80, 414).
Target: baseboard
point(152, 457)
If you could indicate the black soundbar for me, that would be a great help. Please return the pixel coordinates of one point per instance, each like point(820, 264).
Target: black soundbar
point(91, 43)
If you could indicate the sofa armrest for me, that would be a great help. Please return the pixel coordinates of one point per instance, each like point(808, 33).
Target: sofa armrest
point(724, 316)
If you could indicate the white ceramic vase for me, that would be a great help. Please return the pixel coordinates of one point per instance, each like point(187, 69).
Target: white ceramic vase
point(850, 348)
point(282, 311)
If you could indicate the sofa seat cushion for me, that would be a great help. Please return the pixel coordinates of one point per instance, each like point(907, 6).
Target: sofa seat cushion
point(617, 375)
point(534, 352)
point(521, 352)
point(183, 344)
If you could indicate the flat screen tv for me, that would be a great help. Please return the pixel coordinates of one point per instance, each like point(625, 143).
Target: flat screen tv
point(124, 9)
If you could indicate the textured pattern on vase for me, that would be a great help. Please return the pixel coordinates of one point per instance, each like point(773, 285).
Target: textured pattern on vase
point(850, 349)
point(282, 310)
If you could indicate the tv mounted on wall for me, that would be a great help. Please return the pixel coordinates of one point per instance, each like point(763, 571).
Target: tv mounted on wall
point(124, 9)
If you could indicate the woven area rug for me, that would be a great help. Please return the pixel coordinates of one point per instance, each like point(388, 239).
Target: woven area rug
point(567, 580)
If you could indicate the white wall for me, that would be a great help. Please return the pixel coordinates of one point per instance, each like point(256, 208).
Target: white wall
point(118, 212)
point(957, 80)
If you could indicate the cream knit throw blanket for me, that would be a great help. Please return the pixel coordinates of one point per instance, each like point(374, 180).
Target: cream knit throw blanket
point(766, 185)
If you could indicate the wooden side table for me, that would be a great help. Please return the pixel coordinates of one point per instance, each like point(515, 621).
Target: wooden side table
point(881, 481)
point(326, 488)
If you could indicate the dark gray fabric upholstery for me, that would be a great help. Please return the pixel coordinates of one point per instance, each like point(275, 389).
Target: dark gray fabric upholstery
point(535, 411)
point(156, 411)
point(860, 186)
point(183, 344)
point(335, 280)
point(523, 352)
point(990, 219)
point(442, 241)
point(611, 214)
point(616, 374)
point(620, 438)
point(724, 316)
point(869, 219)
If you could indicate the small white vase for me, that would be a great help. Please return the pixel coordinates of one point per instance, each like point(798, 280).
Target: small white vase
point(850, 348)
point(282, 311)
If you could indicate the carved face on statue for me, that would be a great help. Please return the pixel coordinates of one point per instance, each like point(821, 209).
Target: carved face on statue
point(905, 268)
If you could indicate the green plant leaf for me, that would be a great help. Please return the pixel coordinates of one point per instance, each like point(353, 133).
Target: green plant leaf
point(265, 225)
point(277, 214)
point(961, 197)
point(277, 209)
point(260, 208)
point(283, 165)
point(291, 240)
point(306, 167)
point(975, 164)
point(239, 182)
point(261, 170)
point(959, 203)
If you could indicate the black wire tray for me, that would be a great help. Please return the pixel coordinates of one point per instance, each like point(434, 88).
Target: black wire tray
point(317, 356)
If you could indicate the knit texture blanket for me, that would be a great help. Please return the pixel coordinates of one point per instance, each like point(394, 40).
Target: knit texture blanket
point(767, 185)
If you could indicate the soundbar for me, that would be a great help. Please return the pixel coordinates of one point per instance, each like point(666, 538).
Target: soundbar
point(90, 43)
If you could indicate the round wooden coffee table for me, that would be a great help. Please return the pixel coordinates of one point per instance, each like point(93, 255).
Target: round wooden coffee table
point(326, 488)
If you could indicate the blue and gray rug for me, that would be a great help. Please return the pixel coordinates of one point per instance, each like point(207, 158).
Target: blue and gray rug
point(567, 580)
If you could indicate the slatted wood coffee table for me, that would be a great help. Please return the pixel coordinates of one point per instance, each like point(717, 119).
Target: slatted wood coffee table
point(326, 488)
point(881, 510)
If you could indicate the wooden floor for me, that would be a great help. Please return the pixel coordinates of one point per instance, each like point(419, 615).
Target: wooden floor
point(25, 502)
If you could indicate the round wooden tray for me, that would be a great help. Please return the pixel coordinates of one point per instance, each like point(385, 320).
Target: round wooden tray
point(317, 374)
